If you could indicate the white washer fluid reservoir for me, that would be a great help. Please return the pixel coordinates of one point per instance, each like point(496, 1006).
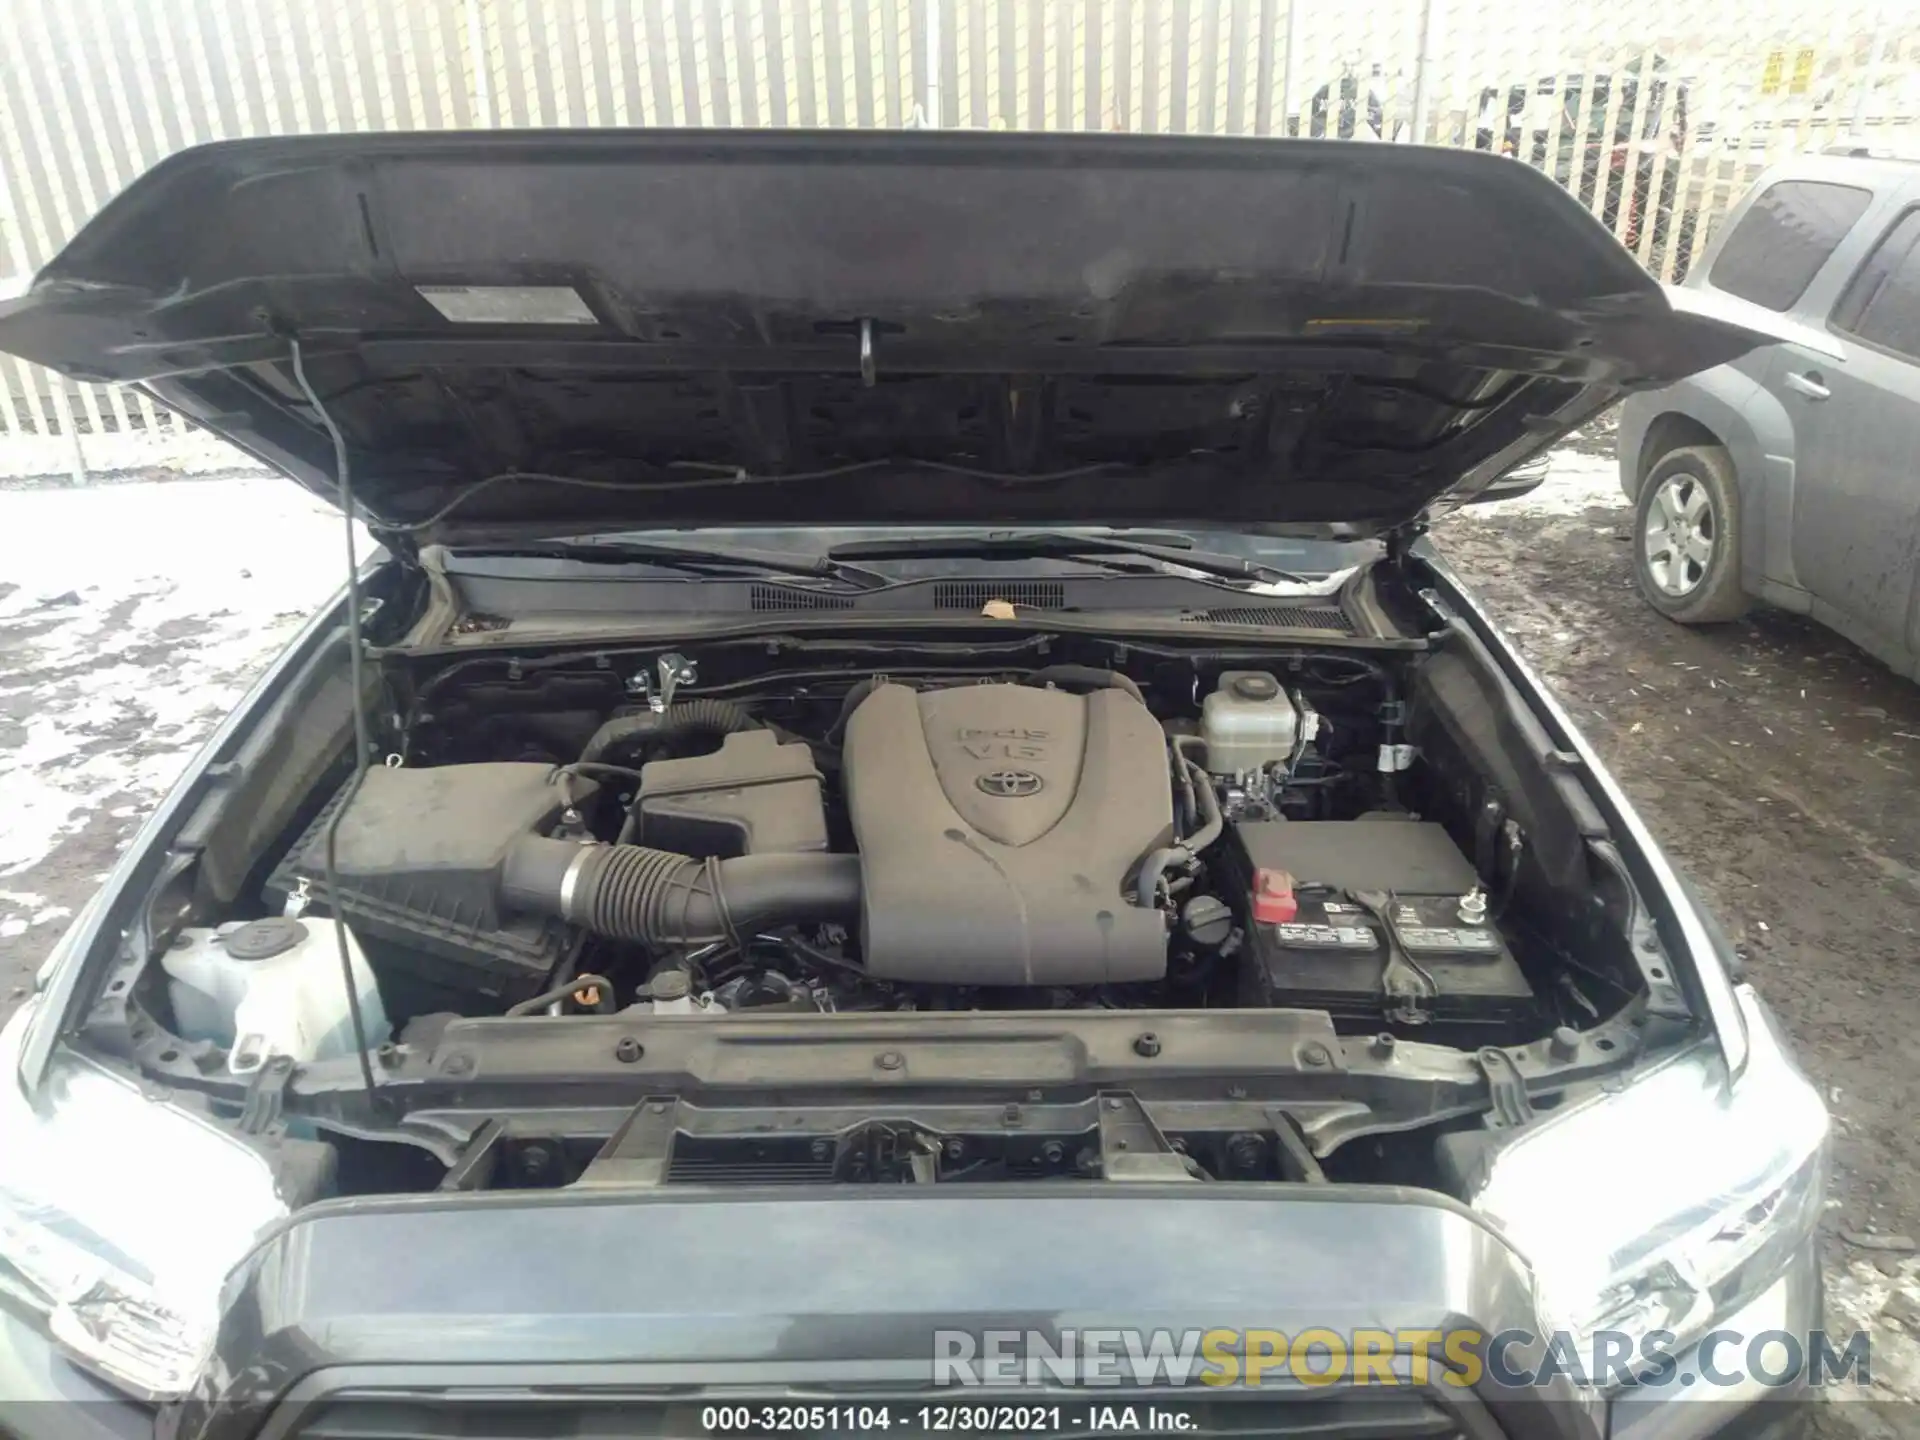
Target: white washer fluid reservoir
point(271, 987)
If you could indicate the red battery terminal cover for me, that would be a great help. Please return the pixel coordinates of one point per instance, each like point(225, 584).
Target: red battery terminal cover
point(1274, 902)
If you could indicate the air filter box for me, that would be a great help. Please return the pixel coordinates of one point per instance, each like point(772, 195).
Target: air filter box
point(418, 857)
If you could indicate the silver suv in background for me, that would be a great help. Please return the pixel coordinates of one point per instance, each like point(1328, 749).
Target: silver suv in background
point(1790, 475)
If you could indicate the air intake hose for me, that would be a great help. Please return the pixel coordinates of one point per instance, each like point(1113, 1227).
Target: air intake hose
point(689, 717)
point(658, 898)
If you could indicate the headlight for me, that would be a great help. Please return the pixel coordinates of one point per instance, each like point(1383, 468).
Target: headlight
point(120, 1216)
point(1669, 1205)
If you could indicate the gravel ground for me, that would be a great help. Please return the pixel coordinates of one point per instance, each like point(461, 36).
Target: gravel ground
point(1775, 762)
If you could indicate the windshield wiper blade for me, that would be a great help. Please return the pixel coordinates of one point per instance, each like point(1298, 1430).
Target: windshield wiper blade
point(1057, 545)
point(696, 559)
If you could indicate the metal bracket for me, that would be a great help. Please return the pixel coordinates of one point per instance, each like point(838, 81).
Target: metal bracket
point(1509, 1107)
point(887, 1151)
point(1296, 1160)
point(639, 1152)
point(266, 1096)
point(675, 670)
point(1132, 1147)
point(1401, 540)
point(474, 1169)
point(1409, 990)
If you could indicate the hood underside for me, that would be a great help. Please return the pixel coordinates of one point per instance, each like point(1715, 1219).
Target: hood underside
point(857, 327)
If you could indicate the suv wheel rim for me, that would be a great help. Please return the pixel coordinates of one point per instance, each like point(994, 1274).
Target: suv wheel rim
point(1679, 537)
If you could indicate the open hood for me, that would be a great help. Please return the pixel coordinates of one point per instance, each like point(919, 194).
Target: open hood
point(865, 327)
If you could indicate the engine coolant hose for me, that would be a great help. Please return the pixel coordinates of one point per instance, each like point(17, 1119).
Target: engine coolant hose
point(1212, 824)
point(688, 717)
point(659, 898)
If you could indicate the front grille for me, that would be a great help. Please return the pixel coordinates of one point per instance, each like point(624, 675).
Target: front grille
point(558, 1415)
point(1280, 617)
point(712, 1170)
point(795, 597)
point(378, 1417)
point(973, 594)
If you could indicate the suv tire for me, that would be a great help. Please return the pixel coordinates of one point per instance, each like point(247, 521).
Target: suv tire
point(1686, 537)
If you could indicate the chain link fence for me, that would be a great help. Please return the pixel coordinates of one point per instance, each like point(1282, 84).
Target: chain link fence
point(1656, 114)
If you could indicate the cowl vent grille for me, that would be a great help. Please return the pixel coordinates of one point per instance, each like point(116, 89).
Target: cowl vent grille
point(1279, 617)
point(972, 594)
point(795, 597)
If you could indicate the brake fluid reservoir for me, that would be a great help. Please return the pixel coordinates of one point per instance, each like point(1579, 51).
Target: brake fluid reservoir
point(271, 987)
point(1248, 722)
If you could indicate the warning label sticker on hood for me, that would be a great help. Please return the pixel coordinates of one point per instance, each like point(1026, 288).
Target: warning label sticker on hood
point(509, 304)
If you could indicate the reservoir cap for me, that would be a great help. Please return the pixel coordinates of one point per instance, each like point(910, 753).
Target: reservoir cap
point(264, 939)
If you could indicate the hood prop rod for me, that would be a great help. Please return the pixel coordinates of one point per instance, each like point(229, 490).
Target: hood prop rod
point(362, 737)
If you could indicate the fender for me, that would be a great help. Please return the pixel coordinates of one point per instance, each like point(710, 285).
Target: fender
point(1696, 944)
point(1745, 418)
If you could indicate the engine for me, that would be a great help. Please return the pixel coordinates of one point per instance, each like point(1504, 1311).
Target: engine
point(1033, 840)
point(1001, 831)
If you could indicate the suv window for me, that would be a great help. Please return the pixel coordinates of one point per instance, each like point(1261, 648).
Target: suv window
point(1784, 238)
point(1882, 301)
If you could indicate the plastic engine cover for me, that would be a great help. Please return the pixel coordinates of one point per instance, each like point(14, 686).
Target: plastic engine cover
point(998, 826)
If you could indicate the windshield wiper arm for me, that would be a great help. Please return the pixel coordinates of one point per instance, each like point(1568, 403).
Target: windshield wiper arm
point(1058, 545)
point(698, 559)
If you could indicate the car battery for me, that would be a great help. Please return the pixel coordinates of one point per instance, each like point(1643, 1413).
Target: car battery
point(1314, 943)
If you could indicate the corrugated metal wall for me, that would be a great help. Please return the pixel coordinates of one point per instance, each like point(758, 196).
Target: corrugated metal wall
point(92, 92)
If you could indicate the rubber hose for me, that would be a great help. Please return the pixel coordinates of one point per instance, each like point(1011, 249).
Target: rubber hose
point(849, 703)
point(1214, 824)
point(1211, 828)
point(1090, 676)
point(689, 717)
point(657, 897)
point(571, 988)
point(1187, 772)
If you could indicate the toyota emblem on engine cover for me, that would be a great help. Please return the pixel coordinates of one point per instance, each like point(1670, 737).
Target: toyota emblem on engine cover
point(1010, 784)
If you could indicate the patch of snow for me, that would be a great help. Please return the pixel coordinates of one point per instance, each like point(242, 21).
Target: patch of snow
point(51, 913)
point(134, 454)
point(36, 814)
point(142, 612)
point(1576, 482)
point(12, 926)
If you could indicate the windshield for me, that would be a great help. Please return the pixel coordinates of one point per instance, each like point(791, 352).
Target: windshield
point(1597, 95)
